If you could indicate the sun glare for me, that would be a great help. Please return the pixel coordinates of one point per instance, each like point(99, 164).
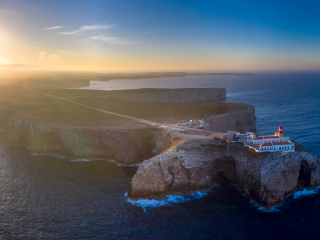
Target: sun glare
point(4, 44)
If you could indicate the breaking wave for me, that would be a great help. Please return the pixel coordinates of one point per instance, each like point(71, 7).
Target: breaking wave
point(84, 159)
point(305, 192)
point(147, 204)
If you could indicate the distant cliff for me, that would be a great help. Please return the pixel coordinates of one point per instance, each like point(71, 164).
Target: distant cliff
point(199, 164)
point(242, 120)
point(174, 95)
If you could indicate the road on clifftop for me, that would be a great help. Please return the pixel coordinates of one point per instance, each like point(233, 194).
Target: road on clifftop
point(190, 131)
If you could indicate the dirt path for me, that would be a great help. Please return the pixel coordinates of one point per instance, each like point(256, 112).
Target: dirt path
point(167, 127)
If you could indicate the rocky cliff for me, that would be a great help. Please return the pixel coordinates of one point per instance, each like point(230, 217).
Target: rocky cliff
point(177, 95)
point(242, 121)
point(124, 145)
point(199, 164)
point(114, 140)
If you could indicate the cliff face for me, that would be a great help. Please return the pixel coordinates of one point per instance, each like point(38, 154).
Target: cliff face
point(242, 121)
point(126, 146)
point(197, 95)
point(199, 164)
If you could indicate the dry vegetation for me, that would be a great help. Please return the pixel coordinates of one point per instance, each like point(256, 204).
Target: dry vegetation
point(159, 111)
point(31, 105)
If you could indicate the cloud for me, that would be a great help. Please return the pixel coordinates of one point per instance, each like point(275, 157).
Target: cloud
point(60, 51)
point(146, 33)
point(89, 28)
point(93, 55)
point(64, 52)
point(7, 12)
point(113, 40)
point(52, 28)
point(44, 56)
point(16, 65)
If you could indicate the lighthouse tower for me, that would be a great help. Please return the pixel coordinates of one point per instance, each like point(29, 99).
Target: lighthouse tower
point(280, 132)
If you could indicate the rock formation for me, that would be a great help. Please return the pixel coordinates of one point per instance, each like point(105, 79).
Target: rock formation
point(124, 145)
point(199, 164)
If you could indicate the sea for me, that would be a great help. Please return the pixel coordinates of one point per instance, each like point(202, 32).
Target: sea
point(50, 197)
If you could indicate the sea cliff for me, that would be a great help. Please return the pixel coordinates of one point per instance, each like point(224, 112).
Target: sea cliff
point(47, 121)
point(124, 142)
point(198, 164)
point(242, 121)
point(50, 125)
point(125, 145)
point(173, 95)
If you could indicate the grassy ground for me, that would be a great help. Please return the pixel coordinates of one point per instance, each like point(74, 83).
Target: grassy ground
point(62, 112)
point(79, 93)
point(28, 104)
point(163, 112)
point(32, 105)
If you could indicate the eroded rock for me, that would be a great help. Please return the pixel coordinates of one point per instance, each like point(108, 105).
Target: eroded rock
point(199, 164)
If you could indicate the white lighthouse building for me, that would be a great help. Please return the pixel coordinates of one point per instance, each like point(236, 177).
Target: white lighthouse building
point(273, 143)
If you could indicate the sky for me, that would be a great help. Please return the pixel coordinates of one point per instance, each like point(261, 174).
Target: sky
point(141, 35)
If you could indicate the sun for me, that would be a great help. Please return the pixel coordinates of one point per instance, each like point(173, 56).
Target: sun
point(4, 61)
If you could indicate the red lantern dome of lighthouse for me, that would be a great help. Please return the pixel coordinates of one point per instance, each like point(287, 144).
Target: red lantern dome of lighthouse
point(280, 129)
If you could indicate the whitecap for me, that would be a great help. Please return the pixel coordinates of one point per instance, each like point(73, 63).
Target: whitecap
point(84, 159)
point(272, 209)
point(124, 165)
point(146, 204)
point(305, 192)
point(70, 159)
point(269, 210)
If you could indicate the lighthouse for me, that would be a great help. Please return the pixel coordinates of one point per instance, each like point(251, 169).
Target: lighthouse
point(280, 131)
point(274, 143)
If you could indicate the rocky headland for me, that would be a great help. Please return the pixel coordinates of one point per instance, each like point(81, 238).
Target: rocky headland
point(198, 164)
point(50, 125)
point(172, 162)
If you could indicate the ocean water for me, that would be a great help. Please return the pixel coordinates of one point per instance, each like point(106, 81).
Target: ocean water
point(49, 197)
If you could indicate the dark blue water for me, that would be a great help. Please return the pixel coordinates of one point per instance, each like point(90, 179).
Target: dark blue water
point(44, 197)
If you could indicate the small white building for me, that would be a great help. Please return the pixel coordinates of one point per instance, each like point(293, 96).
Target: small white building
point(277, 146)
point(193, 122)
point(277, 142)
point(277, 137)
point(250, 136)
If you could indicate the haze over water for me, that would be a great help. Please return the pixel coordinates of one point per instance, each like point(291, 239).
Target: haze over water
point(47, 197)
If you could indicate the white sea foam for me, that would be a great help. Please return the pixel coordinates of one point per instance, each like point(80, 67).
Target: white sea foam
point(146, 204)
point(124, 165)
point(83, 159)
point(297, 195)
point(305, 192)
point(72, 160)
point(261, 209)
point(272, 209)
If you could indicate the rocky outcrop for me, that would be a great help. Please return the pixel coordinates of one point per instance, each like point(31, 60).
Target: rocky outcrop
point(241, 121)
point(124, 145)
point(199, 164)
point(176, 95)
